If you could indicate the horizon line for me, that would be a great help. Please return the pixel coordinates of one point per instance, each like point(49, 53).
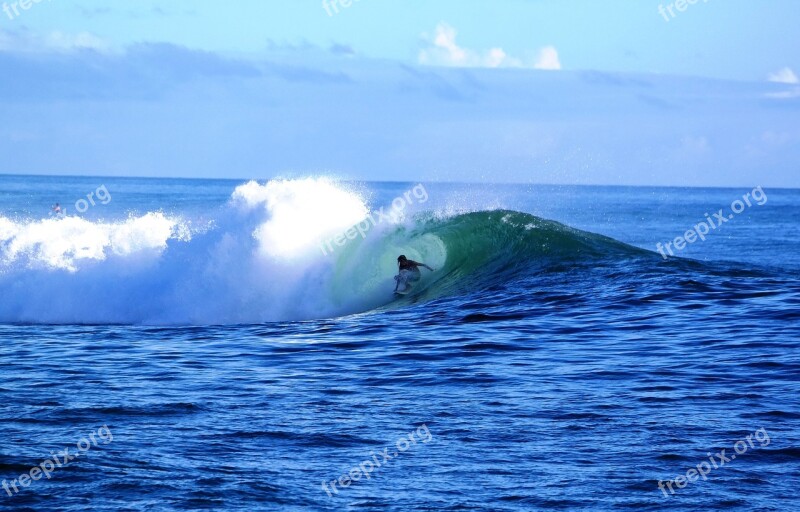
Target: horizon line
point(353, 180)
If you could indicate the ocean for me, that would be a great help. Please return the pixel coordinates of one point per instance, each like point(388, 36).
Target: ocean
point(171, 344)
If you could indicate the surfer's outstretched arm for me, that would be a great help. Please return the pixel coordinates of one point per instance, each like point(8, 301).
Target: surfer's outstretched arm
point(423, 265)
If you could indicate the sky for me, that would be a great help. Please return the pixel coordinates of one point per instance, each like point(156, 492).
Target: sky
point(637, 92)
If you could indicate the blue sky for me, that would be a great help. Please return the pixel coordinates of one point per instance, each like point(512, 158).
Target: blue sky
point(611, 92)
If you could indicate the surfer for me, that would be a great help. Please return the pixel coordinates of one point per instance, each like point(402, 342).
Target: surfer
point(409, 272)
point(57, 210)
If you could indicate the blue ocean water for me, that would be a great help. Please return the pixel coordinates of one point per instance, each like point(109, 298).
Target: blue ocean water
point(236, 346)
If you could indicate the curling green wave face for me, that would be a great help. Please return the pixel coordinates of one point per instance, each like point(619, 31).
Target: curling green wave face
point(467, 251)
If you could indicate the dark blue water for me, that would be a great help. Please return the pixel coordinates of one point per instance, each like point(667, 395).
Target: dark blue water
point(564, 372)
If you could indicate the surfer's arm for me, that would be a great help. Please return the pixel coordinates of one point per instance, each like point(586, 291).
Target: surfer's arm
point(423, 265)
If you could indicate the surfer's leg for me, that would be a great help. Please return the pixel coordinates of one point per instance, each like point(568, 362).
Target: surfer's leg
point(403, 277)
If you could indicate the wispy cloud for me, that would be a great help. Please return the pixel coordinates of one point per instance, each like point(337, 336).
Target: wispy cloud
point(443, 50)
point(784, 76)
point(142, 71)
point(134, 14)
point(785, 95)
point(24, 41)
point(342, 49)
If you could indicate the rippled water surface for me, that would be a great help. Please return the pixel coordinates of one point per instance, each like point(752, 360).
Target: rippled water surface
point(543, 368)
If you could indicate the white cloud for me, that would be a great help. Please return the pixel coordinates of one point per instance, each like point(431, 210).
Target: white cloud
point(442, 50)
point(548, 59)
point(24, 41)
point(61, 41)
point(785, 95)
point(770, 141)
point(784, 76)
